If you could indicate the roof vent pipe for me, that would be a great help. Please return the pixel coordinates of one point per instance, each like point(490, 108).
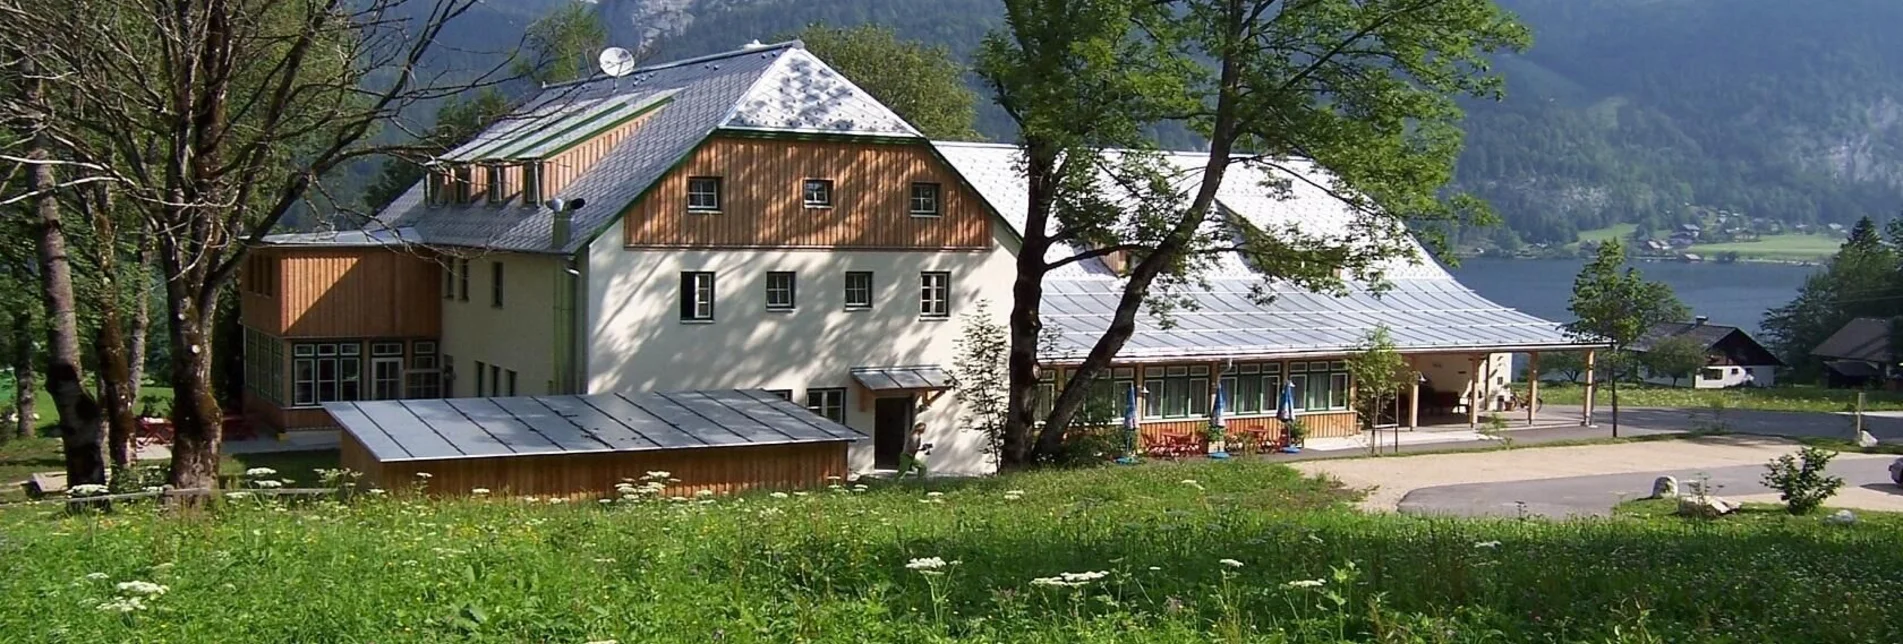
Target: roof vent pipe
point(1700, 320)
point(564, 213)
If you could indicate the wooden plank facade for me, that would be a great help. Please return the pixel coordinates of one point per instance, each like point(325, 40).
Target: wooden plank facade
point(720, 470)
point(762, 205)
point(343, 293)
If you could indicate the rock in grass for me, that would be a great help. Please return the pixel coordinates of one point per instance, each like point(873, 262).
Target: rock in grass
point(1666, 487)
point(1841, 517)
point(1705, 506)
point(1865, 440)
point(1896, 471)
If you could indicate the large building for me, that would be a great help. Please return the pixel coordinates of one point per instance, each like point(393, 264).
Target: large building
point(754, 220)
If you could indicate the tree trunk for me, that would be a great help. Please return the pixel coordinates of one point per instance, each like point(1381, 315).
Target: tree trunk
point(196, 417)
point(115, 392)
point(141, 316)
point(1025, 329)
point(23, 373)
point(80, 428)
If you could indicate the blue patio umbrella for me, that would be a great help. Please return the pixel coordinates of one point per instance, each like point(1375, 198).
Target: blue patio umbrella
point(1285, 408)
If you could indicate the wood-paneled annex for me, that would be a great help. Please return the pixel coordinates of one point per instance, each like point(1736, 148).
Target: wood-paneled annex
point(344, 293)
point(720, 470)
point(762, 206)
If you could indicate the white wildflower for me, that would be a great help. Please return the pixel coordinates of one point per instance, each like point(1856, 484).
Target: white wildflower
point(237, 495)
point(1193, 483)
point(704, 493)
point(603, 642)
point(260, 471)
point(123, 605)
point(1230, 563)
point(269, 484)
point(658, 475)
point(164, 566)
point(1487, 544)
point(141, 588)
point(479, 491)
point(604, 560)
point(934, 495)
point(375, 491)
point(1155, 568)
point(1071, 579)
point(778, 495)
point(1306, 583)
point(604, 501)
point(152, 489)
point(926, 563)
point(424, 475)
point(557, 500)
point(97, 576)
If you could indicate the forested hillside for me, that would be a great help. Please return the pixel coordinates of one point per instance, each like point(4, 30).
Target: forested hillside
point(1623, 111)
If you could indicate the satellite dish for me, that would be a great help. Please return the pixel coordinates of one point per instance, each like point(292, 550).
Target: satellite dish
point(617, 62)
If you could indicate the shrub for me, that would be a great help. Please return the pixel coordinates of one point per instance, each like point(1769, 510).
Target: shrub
point(1800, 480)
point(1089, 445)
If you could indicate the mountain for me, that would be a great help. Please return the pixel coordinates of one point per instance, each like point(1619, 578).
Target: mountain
point(1643, 111)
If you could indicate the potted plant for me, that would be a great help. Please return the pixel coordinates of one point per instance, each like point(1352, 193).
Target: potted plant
point(1214, 435)
point(1297, 434)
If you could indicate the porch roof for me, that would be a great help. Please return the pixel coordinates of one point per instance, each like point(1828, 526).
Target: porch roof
point(918, 378)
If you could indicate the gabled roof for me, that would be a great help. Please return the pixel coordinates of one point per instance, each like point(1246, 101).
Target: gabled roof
point(1425, 308)
point(1866, 339)
point(772, 88)
point(1735, 341)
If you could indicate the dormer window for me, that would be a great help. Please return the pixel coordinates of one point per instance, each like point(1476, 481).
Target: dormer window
point(464, 184)
point(497, 191)
point(817, 193)
point(703, 194)
point(433, 187)
point(532, 183)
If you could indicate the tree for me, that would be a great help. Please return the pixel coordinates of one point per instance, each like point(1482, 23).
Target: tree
point(1675, 357)
point(1570, 364)
point(1864, 279)
point(561, 46)
point(1379, 374)
point(1364, 89)
point(216, 117)
point(978, 375)
point(921, 83)
point(459, 120)
point(1618, 307)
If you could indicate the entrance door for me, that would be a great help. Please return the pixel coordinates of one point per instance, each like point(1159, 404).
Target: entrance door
point(891, 421)
point(386, 378)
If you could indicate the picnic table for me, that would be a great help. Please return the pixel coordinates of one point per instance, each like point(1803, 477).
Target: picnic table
point(159, 431)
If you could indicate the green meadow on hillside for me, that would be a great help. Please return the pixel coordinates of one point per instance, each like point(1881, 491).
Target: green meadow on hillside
point(1231, 552)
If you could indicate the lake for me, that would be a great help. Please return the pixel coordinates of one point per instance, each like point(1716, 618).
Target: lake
point(1730, 294)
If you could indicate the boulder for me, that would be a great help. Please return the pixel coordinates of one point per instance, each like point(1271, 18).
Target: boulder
point(1841, 517)
point(1665, 487)
point(1865, 440)
point(1705, 506)
point(1896, 471)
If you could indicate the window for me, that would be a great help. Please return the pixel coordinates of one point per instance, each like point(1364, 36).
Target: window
point(1319, 386)
point(386, 370)
point(1714, 374)
point(858, 290)
point(703, 194)
point(433, 188)
point(1109, 396)
point(779, 291)
point(425, 377)
point(784, 394)
point(449, 279)
point(496, 188)
point(462, 184)
point(264, 365)
point(925, 200)
point(934, 294)
point(511, 375)
point(532, 183)
point(830, 403)
point(1176, 392)
point(495, 284)
point(482, 380)
point(697, 296)
point(817, 193)
point(1046, 394)
point(1253, 388)
point(495, 380)
point(462, 280)
point(326, 372)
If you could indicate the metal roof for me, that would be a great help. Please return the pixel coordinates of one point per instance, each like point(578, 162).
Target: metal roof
point(902, 378)
point(773, 88)
point(1865, 339)
point(455, 428)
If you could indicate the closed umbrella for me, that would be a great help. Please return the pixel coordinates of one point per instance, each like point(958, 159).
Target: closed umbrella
point(1285, 412)
point(1129, 427)
point(1215, 422)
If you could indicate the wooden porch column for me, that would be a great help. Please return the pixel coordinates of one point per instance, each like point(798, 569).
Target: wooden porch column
point(1413, 397)
point(1585, 406)
point(1532, 386)
point(1473, 393)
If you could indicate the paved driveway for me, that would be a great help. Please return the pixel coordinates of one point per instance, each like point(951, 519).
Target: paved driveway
point(1391, 481)
point(1866, 485)
point(1884, 426)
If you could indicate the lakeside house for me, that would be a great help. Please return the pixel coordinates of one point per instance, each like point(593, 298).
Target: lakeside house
point(1858, 355)
point(753, 221)
point(1732, 357)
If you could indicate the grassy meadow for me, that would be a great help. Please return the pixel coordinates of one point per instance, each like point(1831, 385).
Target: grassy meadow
point(1791, 398)
point(1783, 247)
point(1194, 552)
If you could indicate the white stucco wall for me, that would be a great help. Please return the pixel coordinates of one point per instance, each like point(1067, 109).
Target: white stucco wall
point(519, 336)
point(634, 339)
point(1454, 372)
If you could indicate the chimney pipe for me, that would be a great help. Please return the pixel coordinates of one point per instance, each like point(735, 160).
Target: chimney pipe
point(1700, 320)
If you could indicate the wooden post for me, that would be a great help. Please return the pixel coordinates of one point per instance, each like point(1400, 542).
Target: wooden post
point(1413, 398)
point(1532, 386)
point(1585, 405)
point(1473, 393)
point(1858, 436)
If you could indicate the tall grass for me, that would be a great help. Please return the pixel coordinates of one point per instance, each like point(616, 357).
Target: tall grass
point(1791, 398)
point(832, 566)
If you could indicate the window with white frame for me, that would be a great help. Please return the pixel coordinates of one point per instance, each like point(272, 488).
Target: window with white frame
point(1319, 385)
point(264, 365)
point(697, 296)
point(858, 290)
point(784, 394)
point(1109, 395)
point(386, 370)
point(830, 403)
point(497, 189)
point(817, 193)
point(703, 194)
point(780, 290)
point(1176, 391)
point(1252, 388)
point(934, 294)
point(465, 188)
point(425, 376)
point(925, 200)
point(326, 372)
point(532, 183)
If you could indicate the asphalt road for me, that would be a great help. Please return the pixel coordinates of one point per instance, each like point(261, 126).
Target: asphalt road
point(1596, 495)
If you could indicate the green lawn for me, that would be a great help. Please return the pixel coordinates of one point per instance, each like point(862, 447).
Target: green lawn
point(1241, 551)
point(1615, 231)
point(1796, 398)
point(21, 458)
point(1785, 247)
point(1765, 516)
